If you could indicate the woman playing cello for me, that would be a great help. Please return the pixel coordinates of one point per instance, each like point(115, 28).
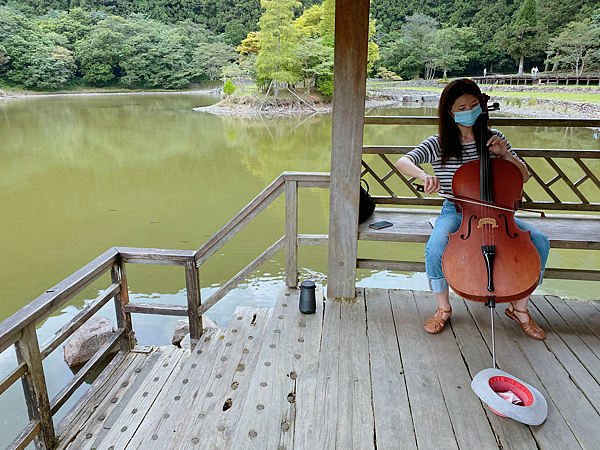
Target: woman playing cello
point(455, 145)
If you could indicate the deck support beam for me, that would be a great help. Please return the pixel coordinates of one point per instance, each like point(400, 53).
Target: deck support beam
point(349, 89)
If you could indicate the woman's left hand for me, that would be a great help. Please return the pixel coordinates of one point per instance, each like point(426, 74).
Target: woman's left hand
point(498, 146)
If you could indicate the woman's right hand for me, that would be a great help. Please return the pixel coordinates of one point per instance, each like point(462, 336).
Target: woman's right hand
point(430, 183)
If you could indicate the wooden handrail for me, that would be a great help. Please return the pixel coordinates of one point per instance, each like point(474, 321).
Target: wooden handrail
point(242, 275)
point(493, 121)
point(27, 435)
point(231, 228)
point(72, 325)
point(524, 152)
point(13, 376)
point(50, 301)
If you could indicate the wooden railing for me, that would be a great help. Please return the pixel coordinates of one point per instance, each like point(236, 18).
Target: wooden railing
point(543, 78)
point(532, 157)
point(20, 329)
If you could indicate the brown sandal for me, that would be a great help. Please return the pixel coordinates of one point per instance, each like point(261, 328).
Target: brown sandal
point(436, 323)
point(529, 327)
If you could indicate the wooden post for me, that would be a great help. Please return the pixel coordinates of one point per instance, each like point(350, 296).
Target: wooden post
point(34, 386)
point(118, 275)
point(192, 282)
point(349, 89)
point(291, 233)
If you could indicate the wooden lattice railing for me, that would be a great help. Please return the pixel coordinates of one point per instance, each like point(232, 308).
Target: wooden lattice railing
point(537, 160)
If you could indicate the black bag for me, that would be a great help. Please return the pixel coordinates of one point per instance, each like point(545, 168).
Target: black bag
point(367, 204)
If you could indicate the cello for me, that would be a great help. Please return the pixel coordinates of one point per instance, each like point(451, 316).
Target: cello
point(490, 259)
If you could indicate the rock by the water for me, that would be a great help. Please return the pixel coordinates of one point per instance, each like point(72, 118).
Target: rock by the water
point(87, 340)
point(186, 342)
point(431, 98)
point(182, 328)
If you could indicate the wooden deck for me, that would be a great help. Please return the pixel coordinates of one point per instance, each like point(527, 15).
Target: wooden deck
point(360, 375)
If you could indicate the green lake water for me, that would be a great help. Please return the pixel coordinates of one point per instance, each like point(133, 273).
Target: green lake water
point(81, 174)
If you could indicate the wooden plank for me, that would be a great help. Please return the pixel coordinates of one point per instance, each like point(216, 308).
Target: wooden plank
point(381, 264)
point(156, 308)
point(522, 152)
point(80, 318)
point(99, 386)
point(575, 323)
point(34, 385)
point(582, 419)
point(574, 347)
point(572, 274)
point(155, 256)
point(587, 313)
point(477, 356)
point(308, 346)
point(9, 341)
point(291, 233)
point(355, 428)
point(314, 184)
point(285, 388)
point(104, 351)
point(432, 425)
point(118, 275)
point(467, 416)
point(323, 430)
point(28, 434)
point(493, 121)
point(104, 407)
point(313, 239)
point(554, 432)
point(54, 298)
point(347, 129)
point(572, 231)
point(242, 275)
point(192, 283)
point(133, 413)
point(306, 177)
point(251, 210)
point(391, 405)
point(13, 376)
point(165, 424)
point(223, 398)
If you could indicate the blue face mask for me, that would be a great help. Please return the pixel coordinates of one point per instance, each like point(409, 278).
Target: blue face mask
point(467, 118)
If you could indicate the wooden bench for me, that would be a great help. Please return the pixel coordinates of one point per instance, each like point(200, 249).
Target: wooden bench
point(573, 224)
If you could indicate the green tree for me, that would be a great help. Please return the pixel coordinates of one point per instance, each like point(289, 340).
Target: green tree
point(576, 45)
point(32, 58)
point(316, 62)
point(493, 16)
point(228, 88)
point(277, 60)
point(418, 34)
point(525, 37)
point(99, 55)
point(235, 32)
point(452, 48)
point(211, 58)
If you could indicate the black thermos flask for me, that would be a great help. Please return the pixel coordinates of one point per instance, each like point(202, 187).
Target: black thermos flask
point(308, 304)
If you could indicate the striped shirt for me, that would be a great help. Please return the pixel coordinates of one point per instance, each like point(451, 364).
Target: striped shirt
point(429, 151)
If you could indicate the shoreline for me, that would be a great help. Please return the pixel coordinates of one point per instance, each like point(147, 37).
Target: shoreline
point(382, 98)
point(91, 94)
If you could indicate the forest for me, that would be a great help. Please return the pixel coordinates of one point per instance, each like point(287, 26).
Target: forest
point(161, 44)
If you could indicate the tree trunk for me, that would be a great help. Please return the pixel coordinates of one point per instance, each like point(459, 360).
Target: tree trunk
point(521, 61)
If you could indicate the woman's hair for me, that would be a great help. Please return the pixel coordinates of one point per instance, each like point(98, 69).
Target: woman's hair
point(449, 134)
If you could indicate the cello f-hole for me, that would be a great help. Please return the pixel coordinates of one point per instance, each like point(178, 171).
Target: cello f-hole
point(462, 236)
point(506, 227)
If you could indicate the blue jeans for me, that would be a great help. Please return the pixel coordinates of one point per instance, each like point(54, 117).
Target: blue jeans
point(449, 222)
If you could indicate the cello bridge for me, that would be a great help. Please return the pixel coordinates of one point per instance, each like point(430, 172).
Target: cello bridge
point(487, 221)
